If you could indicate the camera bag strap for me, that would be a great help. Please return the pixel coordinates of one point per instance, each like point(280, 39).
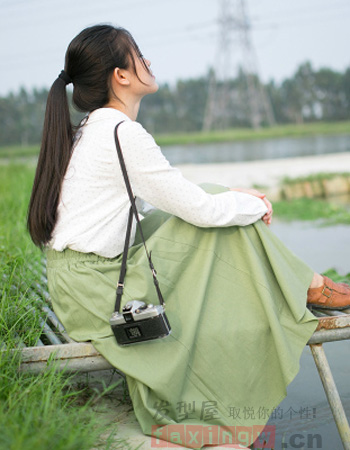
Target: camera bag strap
point(132, 212)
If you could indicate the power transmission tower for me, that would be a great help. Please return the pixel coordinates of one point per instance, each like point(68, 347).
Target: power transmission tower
point(234, 35)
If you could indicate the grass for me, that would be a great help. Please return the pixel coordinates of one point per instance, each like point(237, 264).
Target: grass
point(315, 177)
point(335, 276)
point(325, 212)
point(38, 411)
point(15, 151)
point(234, 134)
point(245, 134)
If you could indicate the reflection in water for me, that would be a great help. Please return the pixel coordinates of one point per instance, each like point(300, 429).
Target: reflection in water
point(256, 150)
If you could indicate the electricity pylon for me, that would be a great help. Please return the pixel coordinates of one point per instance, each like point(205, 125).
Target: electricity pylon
point(234, 34)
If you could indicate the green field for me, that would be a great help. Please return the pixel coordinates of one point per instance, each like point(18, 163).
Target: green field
point(17, 151)
point(248, 134)
point(236, 134)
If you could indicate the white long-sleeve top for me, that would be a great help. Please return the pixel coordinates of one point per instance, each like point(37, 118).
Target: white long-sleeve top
point(94, 204)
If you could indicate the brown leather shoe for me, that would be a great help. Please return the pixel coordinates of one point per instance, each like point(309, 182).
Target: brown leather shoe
point(329, 296)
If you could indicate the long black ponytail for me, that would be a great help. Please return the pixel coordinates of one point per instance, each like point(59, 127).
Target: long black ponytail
point(53, 160)
point(90, 60)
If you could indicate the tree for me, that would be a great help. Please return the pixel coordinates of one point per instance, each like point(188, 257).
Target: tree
point(331, 94)
point(308, 95)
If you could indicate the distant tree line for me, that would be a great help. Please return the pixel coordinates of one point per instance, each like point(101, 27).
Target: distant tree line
point(307, 96)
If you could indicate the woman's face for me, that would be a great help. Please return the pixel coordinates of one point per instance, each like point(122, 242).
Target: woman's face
point(143, 81)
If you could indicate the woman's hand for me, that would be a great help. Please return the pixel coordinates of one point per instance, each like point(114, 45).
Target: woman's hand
point(267, 218)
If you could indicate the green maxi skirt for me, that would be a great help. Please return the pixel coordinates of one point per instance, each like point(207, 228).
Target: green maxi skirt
point(236, 301)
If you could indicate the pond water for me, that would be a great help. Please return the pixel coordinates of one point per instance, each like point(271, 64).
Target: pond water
point(256, 150)
point(320, 247)
point(304, 415)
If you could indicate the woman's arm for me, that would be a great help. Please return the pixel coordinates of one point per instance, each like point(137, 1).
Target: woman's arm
point(154, 180)
point(267, 218)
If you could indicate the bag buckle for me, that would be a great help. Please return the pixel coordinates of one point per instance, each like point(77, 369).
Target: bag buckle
point(120, 288)
point(324, 291)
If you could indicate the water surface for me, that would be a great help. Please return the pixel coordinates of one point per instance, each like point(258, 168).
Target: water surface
point(305, 412)
point(256, 150)
point(320, 247)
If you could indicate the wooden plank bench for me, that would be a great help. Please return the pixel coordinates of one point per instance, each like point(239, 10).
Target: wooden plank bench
point(55, 344)
point(67, 354)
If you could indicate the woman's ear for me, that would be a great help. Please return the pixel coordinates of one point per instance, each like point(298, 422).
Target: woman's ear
point(120, 76)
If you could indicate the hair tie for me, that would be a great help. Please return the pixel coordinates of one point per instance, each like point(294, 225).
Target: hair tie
point(65, 77)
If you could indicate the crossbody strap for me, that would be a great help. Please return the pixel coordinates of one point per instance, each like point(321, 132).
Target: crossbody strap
point(133, 211)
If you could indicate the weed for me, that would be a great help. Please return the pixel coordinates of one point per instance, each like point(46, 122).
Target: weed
point(36, 410)
point(315, 177)
point(323, 211)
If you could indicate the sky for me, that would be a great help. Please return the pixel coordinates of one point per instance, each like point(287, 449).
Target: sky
point(180, 37)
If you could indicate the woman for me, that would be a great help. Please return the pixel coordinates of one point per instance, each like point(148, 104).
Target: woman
point(236, 297)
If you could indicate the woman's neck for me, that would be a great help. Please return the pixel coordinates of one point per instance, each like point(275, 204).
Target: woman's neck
point(131, 109)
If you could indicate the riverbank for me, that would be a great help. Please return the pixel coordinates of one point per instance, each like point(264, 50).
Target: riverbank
point(248, 134)
point(266, 173)
point(232, 135)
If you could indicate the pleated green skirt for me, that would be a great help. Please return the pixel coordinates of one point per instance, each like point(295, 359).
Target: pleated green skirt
point(236, 301)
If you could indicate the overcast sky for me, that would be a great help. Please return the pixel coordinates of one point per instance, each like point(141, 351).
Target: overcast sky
point(180, 37)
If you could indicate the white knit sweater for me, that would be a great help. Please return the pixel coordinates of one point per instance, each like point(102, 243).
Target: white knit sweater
point(94, 204)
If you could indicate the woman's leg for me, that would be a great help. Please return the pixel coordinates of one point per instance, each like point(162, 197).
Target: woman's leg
point(317, 281)
point(322, 292)
point(325, 293)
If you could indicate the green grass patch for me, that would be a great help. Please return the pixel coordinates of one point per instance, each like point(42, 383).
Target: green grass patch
point(335, 276)
point(315, 177)
point(248, 134)
point(325, 212)
point(18, 151)
point(37, 411)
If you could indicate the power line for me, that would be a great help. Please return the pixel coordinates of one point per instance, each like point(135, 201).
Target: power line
point(171, 38)
point(256, 23)
point(309, 10)
point(296, 24)
point(193, 33)
point(11, 4)
point(70, 14)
